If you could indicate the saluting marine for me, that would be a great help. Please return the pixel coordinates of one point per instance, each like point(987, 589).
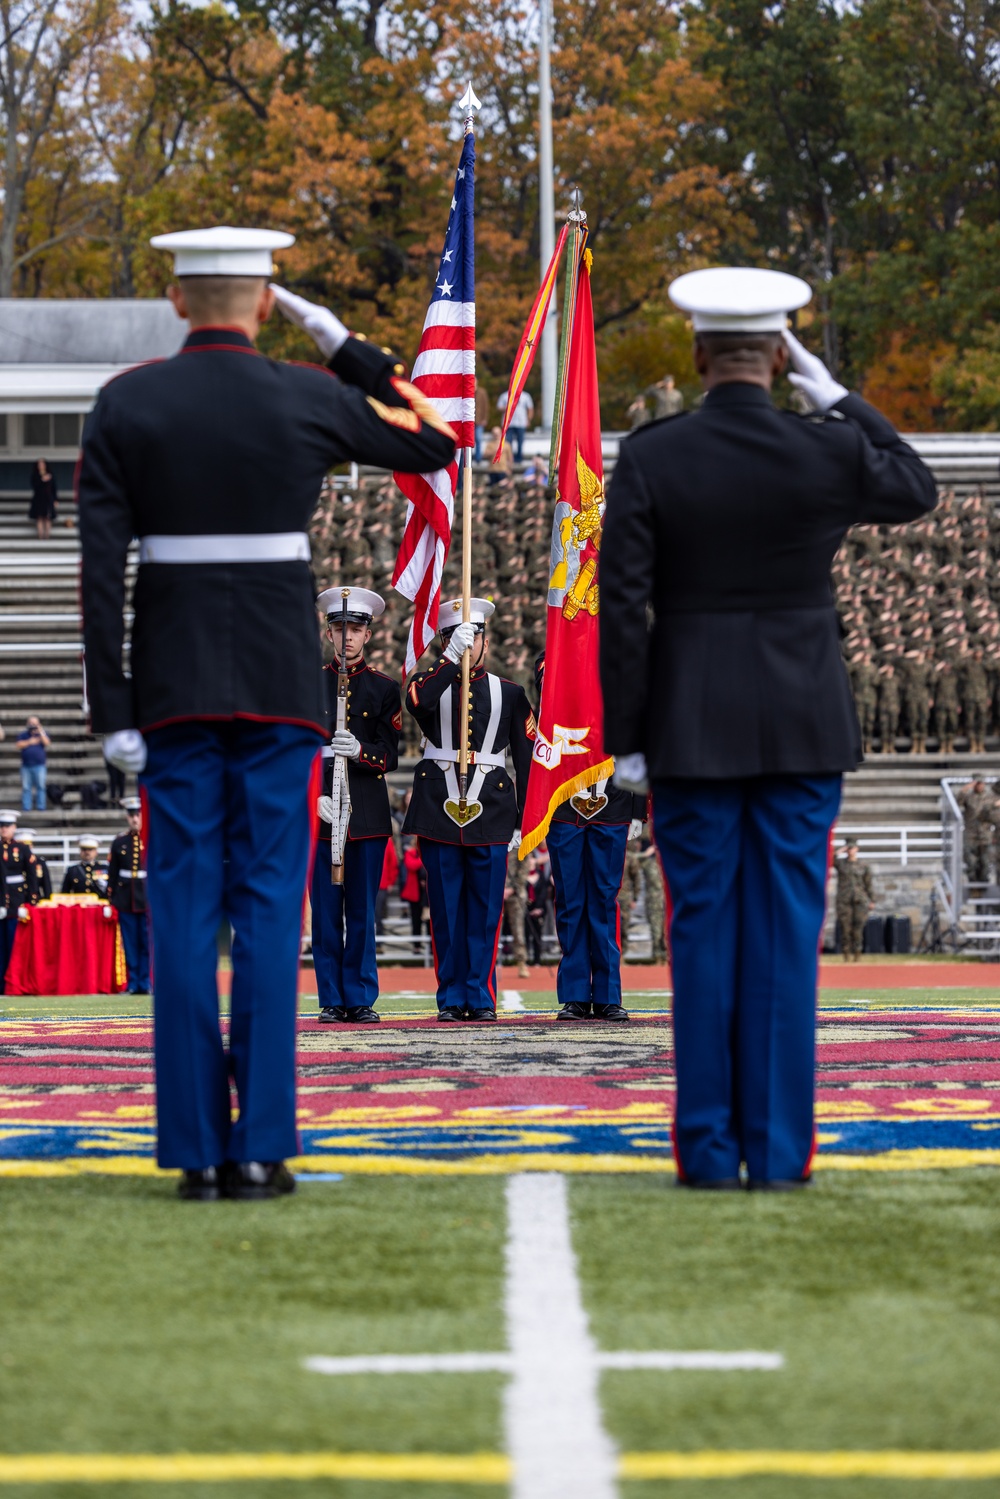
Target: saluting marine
point(346, 967)
point(465, 853)
point(586, 840)
point(127, 875)
point(88, 876)
point(18, 887)
point(215, 459)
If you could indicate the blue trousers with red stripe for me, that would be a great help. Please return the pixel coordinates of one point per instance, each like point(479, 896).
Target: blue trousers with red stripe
point(345, 962)
point(746, 865)
point(134, 927)
point(229, 835)
point(587, 867)
point(465, 897)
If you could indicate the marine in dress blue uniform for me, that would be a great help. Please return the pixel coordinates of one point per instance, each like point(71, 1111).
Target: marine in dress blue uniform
point(18, 887)
point(127, 880)
point(721, 526)
point(88, 876)
point(343, 912)
point(215, 460)
point(466, 860)
point(586, 840)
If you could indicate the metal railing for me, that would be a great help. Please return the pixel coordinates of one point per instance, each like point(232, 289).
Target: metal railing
point(891, 843)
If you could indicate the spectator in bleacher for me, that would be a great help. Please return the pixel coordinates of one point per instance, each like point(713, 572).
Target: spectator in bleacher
point(89, 875)
point(42, 878)
point(116, 782)
point(946, 705)
point(44, 499)
point(519, 422)
point(888, 707)
point(976, 696)
point(482, 418)
point(919, 676)
point(33, 742)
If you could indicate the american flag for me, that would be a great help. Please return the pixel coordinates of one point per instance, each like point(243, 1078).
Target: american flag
point(445, 370)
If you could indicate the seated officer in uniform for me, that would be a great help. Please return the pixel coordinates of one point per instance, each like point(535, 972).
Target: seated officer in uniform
point(215, 459)
point(721, 527)
point(346, 969)
point(586, 840)
point(465, 857)
point(88, 876)
point(126, 887)
point(18, 887)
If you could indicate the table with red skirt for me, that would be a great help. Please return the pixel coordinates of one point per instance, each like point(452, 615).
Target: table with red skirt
point(69, 945)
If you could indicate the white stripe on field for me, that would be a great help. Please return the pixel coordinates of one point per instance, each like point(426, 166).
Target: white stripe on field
point(555, 1431)
point(452, 314)
point(412, 1363)
point(510, 999)
point(694, 1359)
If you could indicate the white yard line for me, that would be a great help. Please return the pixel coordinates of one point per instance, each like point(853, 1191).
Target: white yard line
point(510, 999)
point(555, 1429)
point(413, 1363)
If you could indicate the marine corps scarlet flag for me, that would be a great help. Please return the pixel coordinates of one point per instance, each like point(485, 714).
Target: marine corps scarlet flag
point(569, 754)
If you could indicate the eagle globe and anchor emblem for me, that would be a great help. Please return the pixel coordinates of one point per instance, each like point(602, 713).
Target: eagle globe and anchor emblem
point(573, 587)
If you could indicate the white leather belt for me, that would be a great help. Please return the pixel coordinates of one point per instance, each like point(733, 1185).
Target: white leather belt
point(476, 757)
point(268, 546)
point(126, 874)
point(15, 879)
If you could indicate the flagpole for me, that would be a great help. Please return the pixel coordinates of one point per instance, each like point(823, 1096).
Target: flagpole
point(469, 103)
point(546, 210)
point(577, 220)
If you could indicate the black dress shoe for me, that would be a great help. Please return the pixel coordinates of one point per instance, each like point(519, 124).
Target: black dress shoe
point(610, 1012)
point(449, 1014)
point(713, 1184)
point(201, 1186)
point(255, 1181)
point(363, 1015)
point(573, 1011)
point(481, 1015)
point(779, 1184)
point(329, 1013)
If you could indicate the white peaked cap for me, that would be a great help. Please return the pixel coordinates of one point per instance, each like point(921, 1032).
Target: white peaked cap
point(360, 601)
point(223, 251)
point(7, 815)
point(739, 299)
point(450, 613)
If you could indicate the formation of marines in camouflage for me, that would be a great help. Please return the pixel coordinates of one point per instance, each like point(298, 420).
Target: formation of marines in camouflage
point(922, 628)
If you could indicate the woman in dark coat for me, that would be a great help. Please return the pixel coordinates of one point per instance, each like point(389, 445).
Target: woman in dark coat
point(44, 499)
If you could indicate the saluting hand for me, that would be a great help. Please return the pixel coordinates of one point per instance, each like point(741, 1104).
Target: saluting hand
point(812, 377)
point(323, 327)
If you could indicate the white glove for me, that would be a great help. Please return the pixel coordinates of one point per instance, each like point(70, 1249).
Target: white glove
point(324, 808)
point(344, 743)
point(126, 750)
point(107, 913)
point(462, 639)
point(515, 842)
point(812, 376)
point(631, 774)
point(323, 327)
point(635, 829)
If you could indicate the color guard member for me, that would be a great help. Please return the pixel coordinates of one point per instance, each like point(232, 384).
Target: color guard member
point(127, 877)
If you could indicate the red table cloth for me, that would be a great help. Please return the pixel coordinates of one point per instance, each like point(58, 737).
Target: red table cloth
point(67, 949)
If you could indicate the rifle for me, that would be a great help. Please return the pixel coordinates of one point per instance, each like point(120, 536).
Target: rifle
point(339, 790)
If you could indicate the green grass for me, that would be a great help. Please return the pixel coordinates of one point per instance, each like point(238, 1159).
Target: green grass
point(141, 1323)
point(881, 1293)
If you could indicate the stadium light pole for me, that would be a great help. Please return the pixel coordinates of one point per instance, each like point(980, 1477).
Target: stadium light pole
point(546, 211)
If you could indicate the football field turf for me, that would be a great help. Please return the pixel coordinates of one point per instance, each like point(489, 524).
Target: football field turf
point(150, 1347)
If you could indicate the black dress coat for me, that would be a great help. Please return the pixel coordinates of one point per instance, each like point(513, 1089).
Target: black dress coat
point(375, 718)
point(501, 796)
point(127, 873)
point(720, 643)
point(217, 441)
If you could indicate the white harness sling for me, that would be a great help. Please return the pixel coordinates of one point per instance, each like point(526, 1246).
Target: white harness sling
point(482, 760)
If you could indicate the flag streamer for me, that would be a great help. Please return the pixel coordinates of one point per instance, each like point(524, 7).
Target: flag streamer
point(528, 347)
